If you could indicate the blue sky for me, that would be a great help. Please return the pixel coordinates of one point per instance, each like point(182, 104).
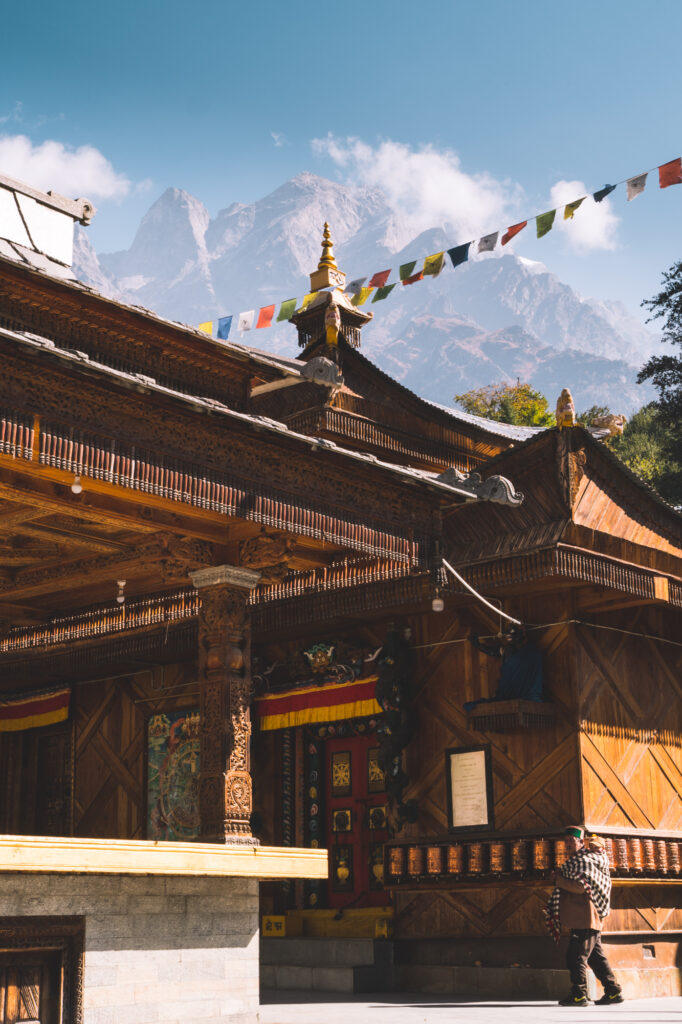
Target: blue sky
point(468, 112)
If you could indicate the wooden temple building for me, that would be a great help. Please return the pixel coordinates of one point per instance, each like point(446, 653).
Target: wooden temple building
point(234, 666)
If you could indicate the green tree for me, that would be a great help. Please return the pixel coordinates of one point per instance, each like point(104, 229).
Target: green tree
point(645, 447)
point(665, 373)
point(585, 418)
point(508, 403)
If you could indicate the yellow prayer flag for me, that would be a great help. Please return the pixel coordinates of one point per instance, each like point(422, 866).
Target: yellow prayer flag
point(207, 327)
point(570, 208)
point(433, 264)
point(308, 299)
point(360, 298)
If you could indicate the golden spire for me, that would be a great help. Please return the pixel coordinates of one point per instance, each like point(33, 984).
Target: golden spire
point(327, 250)
point(327, 274)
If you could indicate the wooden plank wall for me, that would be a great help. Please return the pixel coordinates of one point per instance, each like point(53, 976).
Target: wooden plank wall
point(535, 771)
point(110, 747)
point(630, 707)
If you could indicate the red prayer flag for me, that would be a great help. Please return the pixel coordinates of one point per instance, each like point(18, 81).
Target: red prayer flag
point(379, 279)
point(415, 277)
point(513, 230)
point(670, 173)
point(265, 316)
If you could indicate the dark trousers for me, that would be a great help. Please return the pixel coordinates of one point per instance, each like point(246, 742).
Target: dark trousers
point(585, 950)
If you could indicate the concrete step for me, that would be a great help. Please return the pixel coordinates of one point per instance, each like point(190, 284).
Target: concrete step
point(327, 965)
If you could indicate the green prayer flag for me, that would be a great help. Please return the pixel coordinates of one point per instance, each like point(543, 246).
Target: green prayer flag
point(544, 222)
point(433, 264)
point(383, 293)
point(406, 270)
point(286, 309)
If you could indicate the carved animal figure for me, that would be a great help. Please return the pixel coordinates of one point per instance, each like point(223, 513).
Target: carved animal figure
point(613, 422)
point(565, 410)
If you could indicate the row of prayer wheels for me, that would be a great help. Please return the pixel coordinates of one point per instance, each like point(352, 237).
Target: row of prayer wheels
point(646, 857)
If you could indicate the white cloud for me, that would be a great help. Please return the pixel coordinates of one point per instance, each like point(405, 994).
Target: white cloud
point(426, 187)
point(53, 166)
point(15, 113)
point(279, 139)
point(593, 225)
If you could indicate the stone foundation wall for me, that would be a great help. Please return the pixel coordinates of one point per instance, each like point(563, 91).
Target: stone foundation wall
point(157, 948)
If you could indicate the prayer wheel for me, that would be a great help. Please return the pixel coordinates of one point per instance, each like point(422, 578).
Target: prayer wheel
point(635, 861)
point(475, 858)
point(674, 866)
point(610, 853)
point(661, 852)
point(455, 859)
point(498, 857)
point(396, 861)
point(621, 853)
point(434, 860)
point(560, 852)
point(648, 857)
point(541, 854)
point(415, 861)
point(519, 855)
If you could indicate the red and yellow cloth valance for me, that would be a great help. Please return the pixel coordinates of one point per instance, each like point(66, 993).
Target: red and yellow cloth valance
point(30, 711)
point(308, 704)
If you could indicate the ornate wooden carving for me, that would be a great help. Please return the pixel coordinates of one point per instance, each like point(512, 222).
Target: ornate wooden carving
point(269, 554)
point(225, 695)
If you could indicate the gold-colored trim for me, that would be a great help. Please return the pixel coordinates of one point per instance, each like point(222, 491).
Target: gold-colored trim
point(46, 854)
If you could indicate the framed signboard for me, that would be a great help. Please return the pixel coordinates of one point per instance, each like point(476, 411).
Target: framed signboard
point(470, 791)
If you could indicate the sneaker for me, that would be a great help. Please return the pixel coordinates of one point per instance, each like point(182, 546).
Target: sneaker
point(609, 998)
point(575, 1000)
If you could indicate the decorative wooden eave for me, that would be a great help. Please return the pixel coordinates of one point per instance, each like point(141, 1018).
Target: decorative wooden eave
point(130, 337)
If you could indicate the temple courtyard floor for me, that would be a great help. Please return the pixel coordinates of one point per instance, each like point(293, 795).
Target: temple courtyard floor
point(403, 1008)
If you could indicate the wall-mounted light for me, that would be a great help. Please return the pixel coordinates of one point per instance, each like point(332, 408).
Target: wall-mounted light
point(76, 486)
point(120, 597)
point(438, 604)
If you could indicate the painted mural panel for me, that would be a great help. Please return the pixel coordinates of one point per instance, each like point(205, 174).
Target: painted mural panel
point(173, 776)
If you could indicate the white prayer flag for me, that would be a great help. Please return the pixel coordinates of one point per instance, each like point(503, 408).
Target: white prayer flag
point(488, 242)
point(354, 287)
point(636, 185)
point(245, 322)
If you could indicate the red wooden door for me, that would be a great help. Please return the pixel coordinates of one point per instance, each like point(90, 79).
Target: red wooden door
point(356, 822)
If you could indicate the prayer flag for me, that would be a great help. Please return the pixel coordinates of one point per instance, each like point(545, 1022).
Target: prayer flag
point(460, 254)
point(406, 269)
point(544, 223)
point(307, 299)
point(636, 185)
point(433, 264)
point(224, 325)
point(19, 711)
point(670, 173)
point(513, 230)
point(207, 327)
point(570, 208)
point(245, 322)
point(286, 309)
point(383, 293)
point(354, 286)
point(603, 193)
point(265, 315)
point(360, 298)
point(488, 242)
point(380, 279)
point(414, 278)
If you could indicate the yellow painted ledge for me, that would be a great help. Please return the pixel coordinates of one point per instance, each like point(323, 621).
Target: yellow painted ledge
point(139, 857)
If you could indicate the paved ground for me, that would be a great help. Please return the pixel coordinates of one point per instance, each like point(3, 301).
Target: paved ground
point(402, 1008)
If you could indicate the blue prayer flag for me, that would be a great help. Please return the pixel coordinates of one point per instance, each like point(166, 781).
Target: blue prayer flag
point(224, 325)
point(460, 254)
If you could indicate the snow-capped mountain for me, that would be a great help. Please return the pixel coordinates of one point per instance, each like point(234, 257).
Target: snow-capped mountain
point(494, 318)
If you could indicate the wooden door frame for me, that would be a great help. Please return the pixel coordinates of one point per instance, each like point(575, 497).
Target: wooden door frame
point(66, 935)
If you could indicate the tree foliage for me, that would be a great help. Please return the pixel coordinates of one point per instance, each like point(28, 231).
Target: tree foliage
point(645, 447)
point(508, 403)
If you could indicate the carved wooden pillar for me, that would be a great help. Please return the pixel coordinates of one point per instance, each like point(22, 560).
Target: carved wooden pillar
point(225, 694)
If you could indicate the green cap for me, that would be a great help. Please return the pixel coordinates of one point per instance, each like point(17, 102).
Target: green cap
point(574, 830)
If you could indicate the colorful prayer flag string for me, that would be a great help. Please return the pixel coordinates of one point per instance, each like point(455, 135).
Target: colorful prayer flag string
point(669, 174)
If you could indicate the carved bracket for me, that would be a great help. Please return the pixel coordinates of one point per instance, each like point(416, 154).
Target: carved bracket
point(496, 488)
